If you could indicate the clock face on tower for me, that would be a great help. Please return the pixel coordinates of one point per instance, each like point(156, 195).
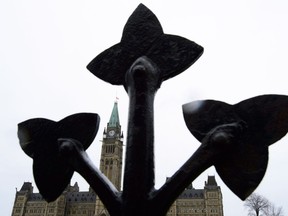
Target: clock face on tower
point(111, 133)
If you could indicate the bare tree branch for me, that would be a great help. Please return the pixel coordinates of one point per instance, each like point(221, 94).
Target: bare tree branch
point(273, 210)
point(260, 206)
point(256, 204)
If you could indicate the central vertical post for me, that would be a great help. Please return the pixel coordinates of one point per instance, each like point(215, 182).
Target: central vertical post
point(142, 82)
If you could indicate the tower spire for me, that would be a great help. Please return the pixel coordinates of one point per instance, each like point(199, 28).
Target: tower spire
point(111, 155)
point(114, 118)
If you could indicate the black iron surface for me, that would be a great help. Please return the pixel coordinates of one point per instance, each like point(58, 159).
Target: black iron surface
point(234, 138)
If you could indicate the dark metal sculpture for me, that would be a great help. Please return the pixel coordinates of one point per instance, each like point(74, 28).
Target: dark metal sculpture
point(234, 138)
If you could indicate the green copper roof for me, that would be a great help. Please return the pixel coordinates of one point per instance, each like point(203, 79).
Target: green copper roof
point(114, 118)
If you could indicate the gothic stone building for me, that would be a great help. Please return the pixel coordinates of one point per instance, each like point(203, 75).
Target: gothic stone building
point(72, 202)
point(199, 202)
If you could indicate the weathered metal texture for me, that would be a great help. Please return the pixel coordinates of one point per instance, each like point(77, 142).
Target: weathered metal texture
point(234, 138)
point(143, 59)
point(143, 36)
point(39, 139)
point(262, 121)
point(143, 80)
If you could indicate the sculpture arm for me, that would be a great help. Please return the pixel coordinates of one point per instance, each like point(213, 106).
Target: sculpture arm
point(80, 161)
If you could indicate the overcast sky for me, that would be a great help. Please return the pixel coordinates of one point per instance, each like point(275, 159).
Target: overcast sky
point(46, 45)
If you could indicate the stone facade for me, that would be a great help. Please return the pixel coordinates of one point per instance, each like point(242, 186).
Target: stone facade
point(71, 202)
point(192, 202)
point(199, 202)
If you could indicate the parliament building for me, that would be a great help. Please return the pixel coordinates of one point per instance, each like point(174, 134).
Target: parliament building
point(72, 202)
